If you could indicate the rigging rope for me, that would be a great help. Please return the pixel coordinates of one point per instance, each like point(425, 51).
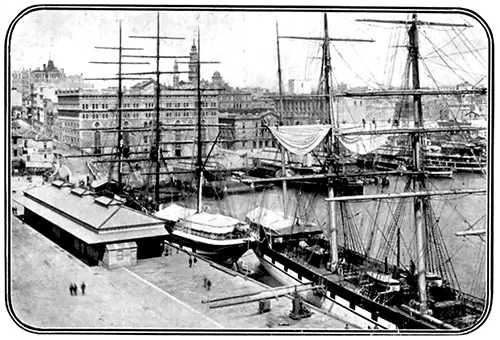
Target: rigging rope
point(442, 59)
point(350, 68)
point(469, 44)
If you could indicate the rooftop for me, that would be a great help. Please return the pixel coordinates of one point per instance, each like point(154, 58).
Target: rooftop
point(92, 219)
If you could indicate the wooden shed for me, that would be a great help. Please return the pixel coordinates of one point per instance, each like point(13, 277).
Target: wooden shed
point(120, 255)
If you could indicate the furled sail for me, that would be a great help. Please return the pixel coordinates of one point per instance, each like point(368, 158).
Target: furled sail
point(362, 144)
point(300, 139)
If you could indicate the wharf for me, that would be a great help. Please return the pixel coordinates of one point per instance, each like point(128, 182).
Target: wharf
point(172, 275)
point(158, 294)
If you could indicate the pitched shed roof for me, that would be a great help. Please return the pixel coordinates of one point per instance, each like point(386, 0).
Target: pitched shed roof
point(92, 222)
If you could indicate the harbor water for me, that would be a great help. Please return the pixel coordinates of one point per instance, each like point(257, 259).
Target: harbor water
point(452, 214)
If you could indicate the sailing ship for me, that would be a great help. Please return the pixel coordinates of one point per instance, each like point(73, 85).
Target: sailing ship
point(442, 156)
point(374, 288)
point(220, 238)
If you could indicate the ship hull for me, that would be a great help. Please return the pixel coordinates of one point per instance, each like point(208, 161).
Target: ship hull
point(225, 254)
point(338, 300)
point(433, 162)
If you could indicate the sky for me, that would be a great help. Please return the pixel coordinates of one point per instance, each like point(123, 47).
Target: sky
point(245, 45)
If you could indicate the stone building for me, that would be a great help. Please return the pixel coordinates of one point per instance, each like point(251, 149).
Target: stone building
point(300, 109)
point(35, 150)
point(245, 129)
point(311, 109)
point(82, 115)
point(38, 87)
point(235, 99)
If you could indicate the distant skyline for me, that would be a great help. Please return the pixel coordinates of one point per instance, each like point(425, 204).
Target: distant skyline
point(245, 45)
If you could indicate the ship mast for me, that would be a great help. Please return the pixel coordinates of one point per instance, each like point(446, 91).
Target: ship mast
point(199, 159)
point(157, 111)
point(156, 150)
point(418, 181)
point(119, 108)
point(120, 98)
point(200, 165)
point(334, 257)
point(283, 156)
point(333, 145)
point(418, 184)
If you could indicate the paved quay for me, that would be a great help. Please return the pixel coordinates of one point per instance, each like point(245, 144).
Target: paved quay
point(173, 275)
point(159, 293)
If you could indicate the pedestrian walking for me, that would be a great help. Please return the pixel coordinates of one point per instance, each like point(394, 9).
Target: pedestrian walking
point(195, 260)
point(75, 289)
point(190, 262)
point(364, 122)
point(71, 289)
point(209, 284)
point(83, 286)
point(205, 282)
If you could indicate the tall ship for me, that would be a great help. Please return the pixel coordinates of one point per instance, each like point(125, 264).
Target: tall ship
point(403, 276)
point(120, 174)
point(220, 238)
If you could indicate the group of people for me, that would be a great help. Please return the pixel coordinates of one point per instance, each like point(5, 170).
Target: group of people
point(73, 289)
point(192, 261)
point(207, 283)
point(374, 123)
